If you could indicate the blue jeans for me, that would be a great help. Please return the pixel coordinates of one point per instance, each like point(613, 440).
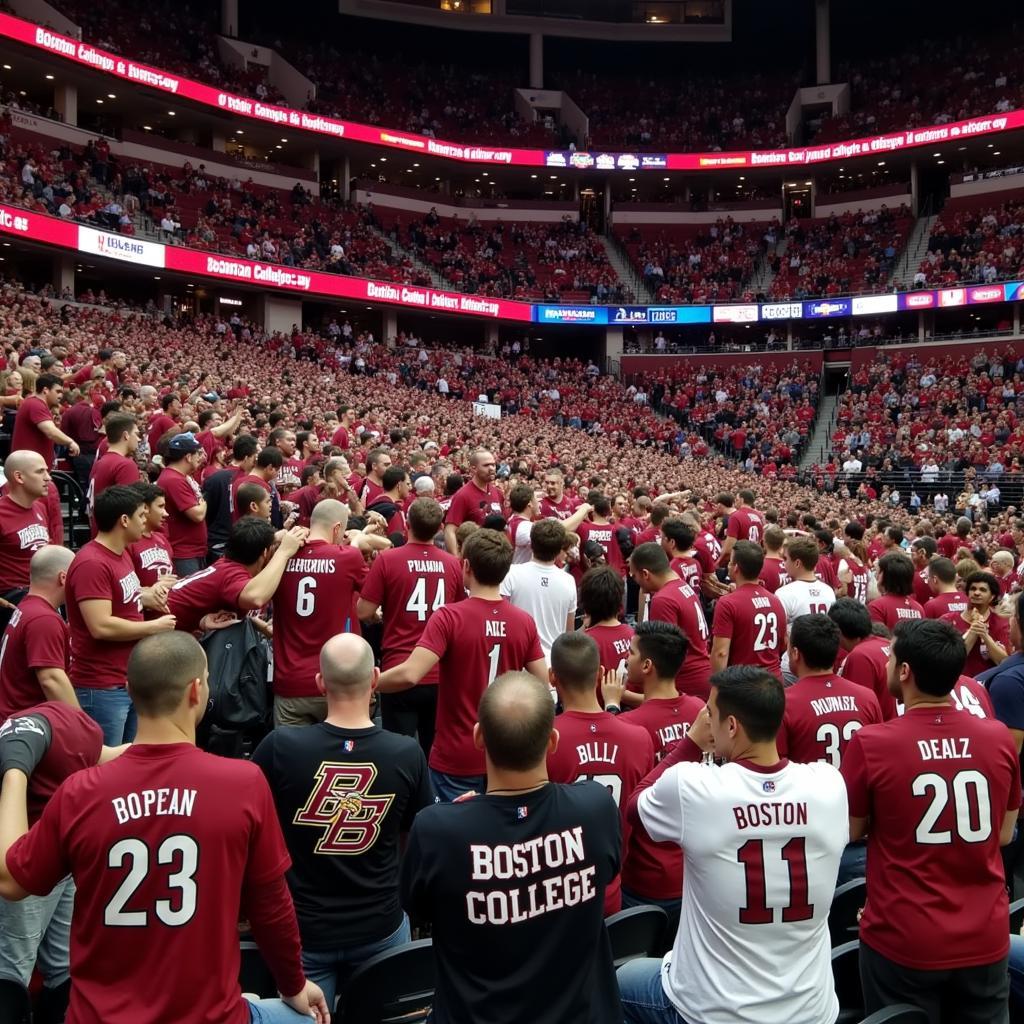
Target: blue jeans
point(273, 1011)
point(643, 996)
point(1017, 973)
point(448, 787)
point(37, 930)
point(112, 710)
point(332, 969)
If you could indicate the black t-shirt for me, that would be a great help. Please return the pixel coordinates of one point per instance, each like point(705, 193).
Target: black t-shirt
point(514, 886)
point(343, 797)
point(217, 495)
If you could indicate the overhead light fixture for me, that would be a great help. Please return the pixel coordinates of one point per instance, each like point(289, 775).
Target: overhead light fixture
point(383, 160)
point(284, 140)
point(171, 113)
point(99, 101)
point(238, 131)
point(7, 67)
point(147, 128)
point(49, 78)
point(111, 96)
point(936, 154)
point(881, 163)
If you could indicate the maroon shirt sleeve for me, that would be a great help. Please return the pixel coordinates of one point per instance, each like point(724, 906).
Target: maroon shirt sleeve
point(37, 861)
point(854, 770)
point(46, 644)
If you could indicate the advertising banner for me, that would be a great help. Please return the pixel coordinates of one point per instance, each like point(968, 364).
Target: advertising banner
point(572, 314)
point(817, 308)
point(745, 314)
point(867, 304)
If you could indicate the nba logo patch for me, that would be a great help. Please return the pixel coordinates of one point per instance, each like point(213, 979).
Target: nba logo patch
point(348, 746)
point(768, 786)
point(522, 812)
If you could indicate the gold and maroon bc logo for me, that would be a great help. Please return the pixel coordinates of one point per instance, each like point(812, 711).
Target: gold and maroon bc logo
point(341, 805)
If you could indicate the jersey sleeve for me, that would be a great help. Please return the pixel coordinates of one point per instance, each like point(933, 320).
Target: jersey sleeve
point(877, 612)
point(38, 413)
point(37, 860)
point(91, 582)
point(523, 531)
point(724, 621)
point(854, 770)
point(416, 877)
point(457, 513)
point(46, 644)
point(734, 528)
point(357, 568)
point(437, 633)
point(661, 806)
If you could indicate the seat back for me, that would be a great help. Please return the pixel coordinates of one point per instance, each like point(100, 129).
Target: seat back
point(396, 985)
point(15, 1002)
point(842, 917)
point(900, 1013)
point(846, 973)
point(636, 932)
point(253, 974)
point(76, 518)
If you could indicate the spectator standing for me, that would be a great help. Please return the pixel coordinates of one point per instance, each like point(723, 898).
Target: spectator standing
point(495, 938)
point(216, 848)
point(34, 428)
point(263, 474)
point(217, 493)
point(162, 422)
point(24, 525)
point(151, 554)
point(937, 793)
point(866, 652)
point(117, 464)
point(745, 523)
point(986, 634)
point(104, 603)
point(541, 589)
point(345, 855)
point(408, 585)
point(896, 582)
point(753, 942)
point(476, 499)
point(186, 523)
point(942, 583)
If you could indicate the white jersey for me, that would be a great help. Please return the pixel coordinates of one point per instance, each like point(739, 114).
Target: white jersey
point(803, 597)
point(761, 854)
point(547, 593)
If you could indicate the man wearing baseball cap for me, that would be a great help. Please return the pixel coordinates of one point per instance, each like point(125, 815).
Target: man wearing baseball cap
point(186, 523)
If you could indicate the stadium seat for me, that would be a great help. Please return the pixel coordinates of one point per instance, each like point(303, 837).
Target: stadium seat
point(15, 1003)
point(76, 515)
point(901, 1013)
point(397, 985)
point(636, 932)
point(846, 972)
point(254, 975)
point(846, 903)
point(1016, 916)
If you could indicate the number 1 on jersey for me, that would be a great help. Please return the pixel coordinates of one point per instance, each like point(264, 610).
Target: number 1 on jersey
point(757, 911)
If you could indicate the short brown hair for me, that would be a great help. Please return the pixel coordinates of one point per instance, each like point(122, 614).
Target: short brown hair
point(159, 670)
point(803, 550)
point(546, 539)
point(519, 497)
point(424, 517)
point(489, 554)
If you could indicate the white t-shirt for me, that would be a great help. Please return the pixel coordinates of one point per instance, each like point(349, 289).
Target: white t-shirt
point(803, 597)
point(546, 593)
point(735, 961)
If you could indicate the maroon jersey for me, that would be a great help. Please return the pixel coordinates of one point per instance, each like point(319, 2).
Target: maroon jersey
point(922, 592)
point(558, 510)
point(312, 603)
point(935, 785)
point(217, 588)
point(678, 604)
point(857, 588)
point(473, 504)
point(23, 531)
point(158, 426)
point(109, 470)
point(707, 551)
point(868, 665)
point(754, 622)
point(99, 574)
point(409, 584)
point(746, 524)
point(369, 491)
point(890, 609)
point(604, 534)
point(978, 658)
point(240, 478)
point(476, 641)
point(605, 749)
point(773, 574)
point(152, 558)
point(188, 539)
point(688, 570)
point(76, 743)
point(35, 638)
point(161, 843)
point(822, 714)
point(971, 696)
point(290, 475)
point(666, 720)
point(612, 644)
point(825, 570)
point(949, 544)
point(942, 605)
point(27, 436)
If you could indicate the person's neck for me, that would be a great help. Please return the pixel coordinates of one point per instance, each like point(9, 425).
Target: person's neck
point(349, 714)
point(164, 731)
point(19, 497)
point(585, 702)
point(913, 698)
point(764, 754)
point(741, 582)
point(114, 541)
point(949, 589)
point(806, 577)
point(484, 485)
point(505, 782)
point(660, 689)
point(812, 673)
point(542, 561)
point(118, 449)
point(484, 593)
point(316, 533)
point(49, 595)
point(612, 621)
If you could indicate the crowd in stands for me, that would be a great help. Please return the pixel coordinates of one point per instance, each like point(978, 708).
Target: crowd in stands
point(976, 240)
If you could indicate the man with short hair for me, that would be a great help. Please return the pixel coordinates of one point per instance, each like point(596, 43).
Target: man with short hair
point(390, 503)
point(263, 474)
point(922, 550)
point(671, 600)
point(745, 523)
point(345, 857)
point(186, 507)
point(556, 503)
point(313, 602)
point(217, 493)
point(104, 603)
point(34, 428)
point(36, 644)
point(866, 653)
point(986, 634)
point(472, 643)
point(942, 583)
point(937, 793)
point(542, 590)
point(476, 499)
point(522, 500)
point(196, 838)
point(408, 585)
point(594, 743)
point(896, 582)
point(749, 626)
point(773, 572)
point(117, 464)
point(162, 422)
point(253, 500)
point(601, 593)
point(24, 526)
point(495, 936)
point(805, 594)
point(677, 537)
point(151, 554)
point(378, 461)
point(752, 887)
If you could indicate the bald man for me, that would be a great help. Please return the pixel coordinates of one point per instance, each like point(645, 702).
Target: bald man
point(475, 500)
point(24, 523)
point(346, 792)
point(530, 853)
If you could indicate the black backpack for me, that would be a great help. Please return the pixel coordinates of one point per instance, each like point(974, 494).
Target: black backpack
point(241, 696)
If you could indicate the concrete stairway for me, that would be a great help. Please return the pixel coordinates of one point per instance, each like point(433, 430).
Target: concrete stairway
point(818, 442)
point(902, 275)
point(626, 272)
